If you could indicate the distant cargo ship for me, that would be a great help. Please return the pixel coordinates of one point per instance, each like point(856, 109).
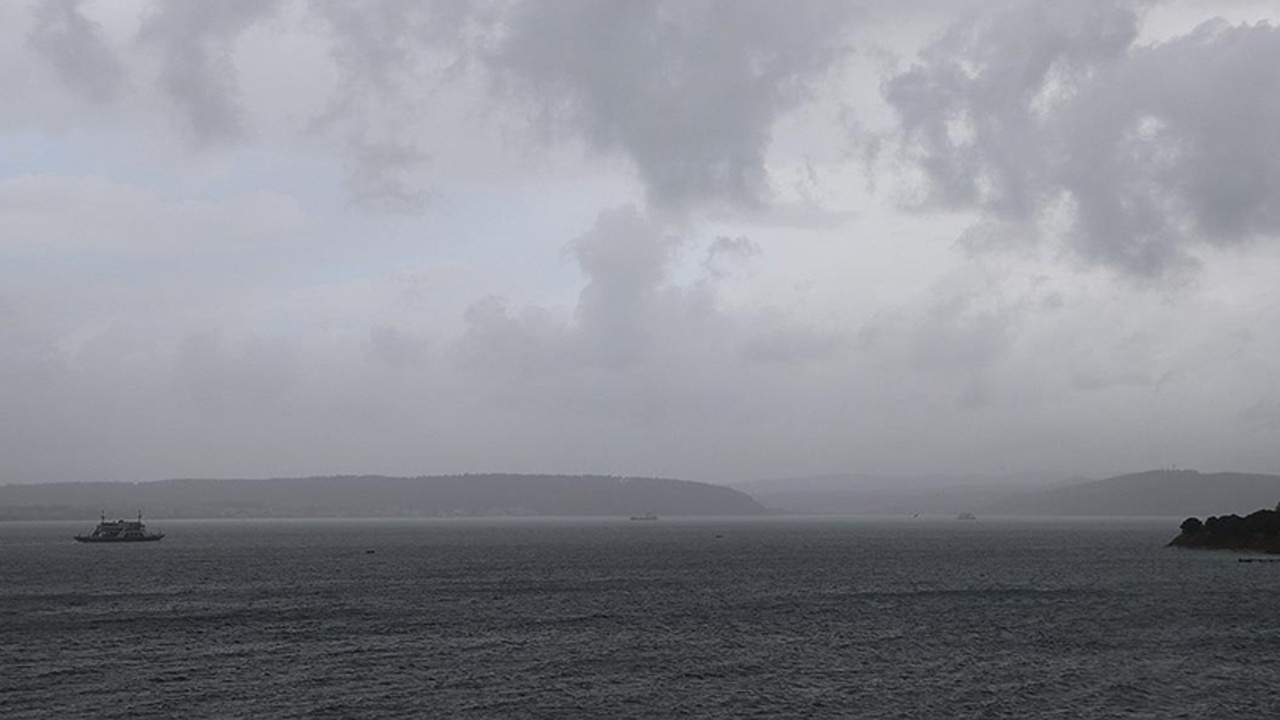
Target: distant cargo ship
point(646, 516)
point(119, 531)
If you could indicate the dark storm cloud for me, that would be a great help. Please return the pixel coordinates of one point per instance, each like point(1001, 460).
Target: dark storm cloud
point(1051, 109)
point(689, 90)
point(73, 45)
point(194, 39)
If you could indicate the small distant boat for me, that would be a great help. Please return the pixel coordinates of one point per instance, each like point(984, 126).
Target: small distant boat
point(113, 531)
point(966, 516)
point(644, 517)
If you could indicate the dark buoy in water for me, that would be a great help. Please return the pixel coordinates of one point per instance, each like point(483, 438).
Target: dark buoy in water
point(369, 552)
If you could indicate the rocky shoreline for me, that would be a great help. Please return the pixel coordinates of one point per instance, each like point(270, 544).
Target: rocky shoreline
point(1257, 532)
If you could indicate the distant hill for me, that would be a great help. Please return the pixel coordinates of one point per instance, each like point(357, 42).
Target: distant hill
point(870, 494)
point(1171, 493)
point(377, 496)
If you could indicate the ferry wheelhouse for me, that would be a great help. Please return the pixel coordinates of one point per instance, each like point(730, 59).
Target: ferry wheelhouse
point(119, 531)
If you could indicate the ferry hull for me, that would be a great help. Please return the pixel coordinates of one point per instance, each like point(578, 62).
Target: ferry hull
point(88, 539)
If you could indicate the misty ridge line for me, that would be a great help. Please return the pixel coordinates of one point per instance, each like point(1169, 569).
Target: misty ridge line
point(1154, 493)
point(467, 495)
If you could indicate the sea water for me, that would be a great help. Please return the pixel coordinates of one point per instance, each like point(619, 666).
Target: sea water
point(779, 618)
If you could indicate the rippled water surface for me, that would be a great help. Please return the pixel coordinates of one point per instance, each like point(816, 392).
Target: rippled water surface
point(612, 619)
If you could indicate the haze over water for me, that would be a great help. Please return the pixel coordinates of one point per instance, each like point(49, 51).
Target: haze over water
point(571, 618)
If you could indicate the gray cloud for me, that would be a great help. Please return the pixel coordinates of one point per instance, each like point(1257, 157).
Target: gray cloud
point(633, 327)
point(688, 90)
point(369, 270)
point(397, 348)
point(513, 352)
point(647, 370)
point(1051, 110)
point(220, 377)
point(618, 321)
point(392, 56)
point(728, 251)
point(1261, 416)
point(73, 45)
point(381, 43)
point(194, 41)
point(778, 340)
point(385, 176)
point(957, 335)
point(625, 258)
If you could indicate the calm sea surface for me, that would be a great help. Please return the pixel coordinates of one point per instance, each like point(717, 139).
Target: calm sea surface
point(780, 618)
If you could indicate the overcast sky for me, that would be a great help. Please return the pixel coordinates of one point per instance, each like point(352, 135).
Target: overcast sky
point(714, 239)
